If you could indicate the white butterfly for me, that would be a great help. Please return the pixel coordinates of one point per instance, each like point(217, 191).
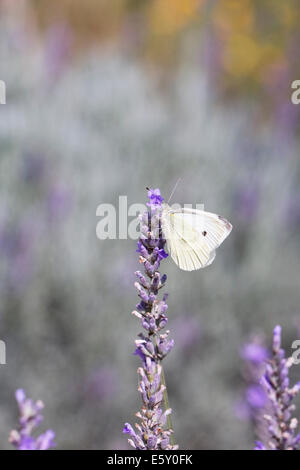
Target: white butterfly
point(193, 236)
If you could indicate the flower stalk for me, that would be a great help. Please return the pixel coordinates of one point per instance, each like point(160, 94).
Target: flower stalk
point(154, 432)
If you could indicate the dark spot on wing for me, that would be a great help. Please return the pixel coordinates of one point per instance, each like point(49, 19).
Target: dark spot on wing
point(204, 233)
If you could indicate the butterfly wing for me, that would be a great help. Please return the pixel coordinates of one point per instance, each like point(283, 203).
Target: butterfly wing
point(193, 236)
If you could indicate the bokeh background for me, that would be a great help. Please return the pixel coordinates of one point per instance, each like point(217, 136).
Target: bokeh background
point(103, 99)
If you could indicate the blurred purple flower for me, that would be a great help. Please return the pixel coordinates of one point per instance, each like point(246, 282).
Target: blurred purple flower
point(256, 396)
point(213, 51)
point(13, 241)
point(287, 119)
point(188, 332)
point(45, 441)
point(59, 202)
point(259, 446)
point(254, 352)
point(123, 272)
point(57, 50)
point(16, 250)
point(102, 383)
point(33, 168)
point(30, 418)
point(246, 202)
point(286, 114)
point(253, 403)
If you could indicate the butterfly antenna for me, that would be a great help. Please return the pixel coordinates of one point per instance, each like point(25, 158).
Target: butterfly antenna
point(174, 189)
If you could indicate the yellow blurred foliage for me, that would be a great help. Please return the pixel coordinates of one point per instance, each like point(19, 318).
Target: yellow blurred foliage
point(252, 35)
point(234, 16)
point(167, 17)
point(287, 12)
point(90, 20)
point(244, 56)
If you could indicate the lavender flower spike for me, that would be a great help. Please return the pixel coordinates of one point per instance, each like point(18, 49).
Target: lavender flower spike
point(281, 425)
point(155, 429)
point(30, 418)
point(254, 403)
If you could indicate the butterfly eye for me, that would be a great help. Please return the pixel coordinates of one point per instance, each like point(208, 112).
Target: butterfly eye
point(204, 233)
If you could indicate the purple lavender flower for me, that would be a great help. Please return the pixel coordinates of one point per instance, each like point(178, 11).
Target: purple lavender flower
point(155, 198)
point(30, 418)
point(102, 384)
point(59, 202)
point(254, 403)
point(254, 352)
point(188, 333)
point(246, 201)
point(281, 425)
point(259, 446)
point(57, 51)
point(16, 246)
point(155, 429)
point(33, 168)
